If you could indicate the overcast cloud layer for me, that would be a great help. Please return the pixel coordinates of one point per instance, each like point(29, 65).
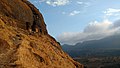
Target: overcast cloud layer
point(93, 31)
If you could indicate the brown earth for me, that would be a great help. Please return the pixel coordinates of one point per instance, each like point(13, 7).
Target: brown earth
point(20, 48)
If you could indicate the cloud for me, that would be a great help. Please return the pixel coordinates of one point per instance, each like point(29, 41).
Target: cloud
point(111, 12)
point(57, 2)
point(98, 26)
point(79, 2)
point(52, 2)
point(74, 13)
point(36, 1)
point(93, 31)
point(116, 24)
point(85, 4)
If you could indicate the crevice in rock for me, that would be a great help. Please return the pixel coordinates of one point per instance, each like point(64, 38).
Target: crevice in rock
point(39, 58)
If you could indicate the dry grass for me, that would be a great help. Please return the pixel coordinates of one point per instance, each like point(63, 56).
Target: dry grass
point(22, 50)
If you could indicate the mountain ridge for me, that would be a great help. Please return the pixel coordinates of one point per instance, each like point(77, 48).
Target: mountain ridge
point(103, 47)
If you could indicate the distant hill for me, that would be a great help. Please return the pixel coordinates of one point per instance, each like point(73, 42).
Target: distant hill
point(109, 46)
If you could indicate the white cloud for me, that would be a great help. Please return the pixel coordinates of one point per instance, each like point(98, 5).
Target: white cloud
point(93, 31)
point(41, 0)
point(111, 12)
point(79, 2)
point(98, 26)
point(36, 1)
point(57, 2)
point(85, 4)
point(52, 2)
point(74, 13)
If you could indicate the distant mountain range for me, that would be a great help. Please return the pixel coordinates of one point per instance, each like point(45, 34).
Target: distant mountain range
point(109, 46)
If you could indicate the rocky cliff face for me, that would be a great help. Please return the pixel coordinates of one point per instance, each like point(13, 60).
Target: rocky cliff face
point(24, 41)
point(24, 12)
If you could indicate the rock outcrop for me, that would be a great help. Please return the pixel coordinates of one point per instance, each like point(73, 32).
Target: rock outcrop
point(19, 48)
point(23, 11)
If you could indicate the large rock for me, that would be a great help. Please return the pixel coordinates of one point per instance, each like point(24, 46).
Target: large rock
point(19, 49)
point(23, 11)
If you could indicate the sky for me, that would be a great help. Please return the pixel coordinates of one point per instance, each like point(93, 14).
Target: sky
point(73, 21)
